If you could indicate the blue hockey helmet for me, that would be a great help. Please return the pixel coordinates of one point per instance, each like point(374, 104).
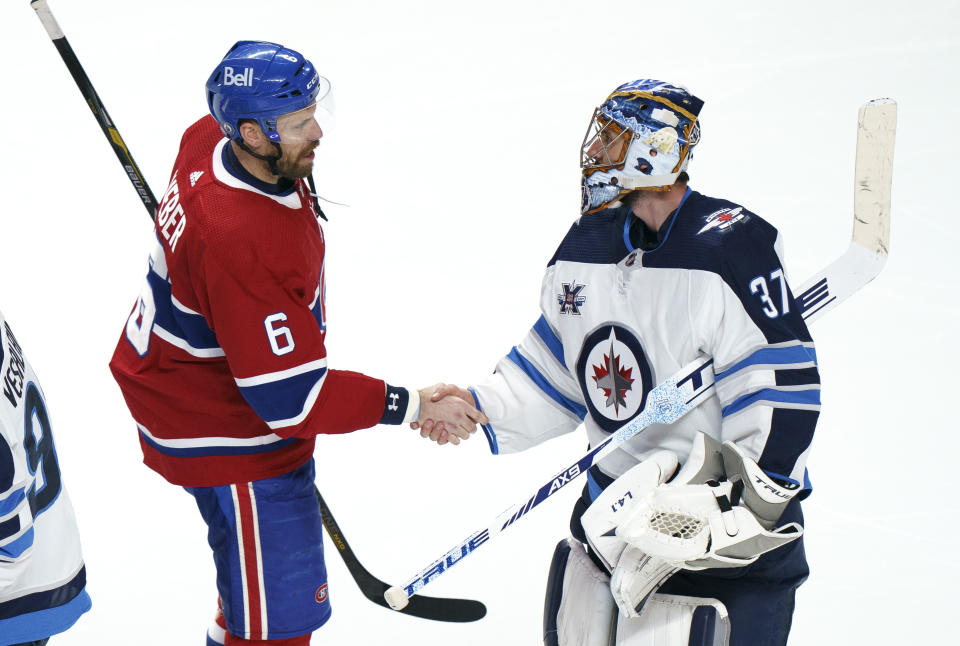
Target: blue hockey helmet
point(261, 81)
point(640, 138)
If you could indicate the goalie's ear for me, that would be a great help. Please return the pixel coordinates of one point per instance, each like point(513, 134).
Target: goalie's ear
point(764, 495)
point(704, 463)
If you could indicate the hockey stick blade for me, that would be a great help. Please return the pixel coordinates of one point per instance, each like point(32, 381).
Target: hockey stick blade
point(435, 608)
point(867, 253)
point(693, 384)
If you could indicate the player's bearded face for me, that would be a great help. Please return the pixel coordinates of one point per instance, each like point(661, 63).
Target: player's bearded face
point(300, 134)
point(296, 161)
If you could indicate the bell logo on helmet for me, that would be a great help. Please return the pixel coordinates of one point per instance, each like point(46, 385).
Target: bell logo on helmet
point(261, 81)
point(244, 79)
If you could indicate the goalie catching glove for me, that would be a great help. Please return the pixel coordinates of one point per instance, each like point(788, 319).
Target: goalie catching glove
point(718, 512)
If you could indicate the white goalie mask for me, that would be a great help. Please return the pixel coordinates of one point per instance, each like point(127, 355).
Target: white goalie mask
point(640, 138)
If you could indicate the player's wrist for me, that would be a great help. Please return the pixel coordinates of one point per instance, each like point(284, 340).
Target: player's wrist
point(401, 405)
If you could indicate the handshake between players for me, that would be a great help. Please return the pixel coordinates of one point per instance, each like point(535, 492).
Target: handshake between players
point(433, 426)
point(446, 414)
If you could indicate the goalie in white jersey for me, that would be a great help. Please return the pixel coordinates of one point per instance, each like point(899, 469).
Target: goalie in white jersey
point(42, 575)
point(651, 275)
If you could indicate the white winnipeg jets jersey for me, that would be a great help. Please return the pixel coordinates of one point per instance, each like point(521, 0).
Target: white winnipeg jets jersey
point(42, 574)
point(617, 320)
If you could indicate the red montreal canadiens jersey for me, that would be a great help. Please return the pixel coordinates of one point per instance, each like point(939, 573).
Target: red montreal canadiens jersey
point(222, 360)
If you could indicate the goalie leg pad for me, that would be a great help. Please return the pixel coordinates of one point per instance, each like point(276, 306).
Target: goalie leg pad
point(759, 597)
point(635, 579)
point(673, 620)
point(578, 609)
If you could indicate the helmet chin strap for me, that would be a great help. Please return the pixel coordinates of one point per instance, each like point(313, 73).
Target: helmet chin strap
point(272, 165)
point(271, 160)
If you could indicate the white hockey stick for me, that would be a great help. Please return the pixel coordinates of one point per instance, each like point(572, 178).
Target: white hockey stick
point(693, 384)
point(873, 174)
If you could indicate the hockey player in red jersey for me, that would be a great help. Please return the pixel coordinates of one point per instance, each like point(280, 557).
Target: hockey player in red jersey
point(222, 360)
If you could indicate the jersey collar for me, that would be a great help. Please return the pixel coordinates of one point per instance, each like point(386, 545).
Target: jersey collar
point(291, 199)
point(669, 223)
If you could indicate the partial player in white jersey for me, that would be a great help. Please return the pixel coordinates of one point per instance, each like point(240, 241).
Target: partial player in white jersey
point(42, 574)
point(651, 275)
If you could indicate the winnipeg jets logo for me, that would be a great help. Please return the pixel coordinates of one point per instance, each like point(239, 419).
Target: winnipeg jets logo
point(613, 375)
point(194, 176)
point(570, 300)
point(613, 379)
point(723, 219)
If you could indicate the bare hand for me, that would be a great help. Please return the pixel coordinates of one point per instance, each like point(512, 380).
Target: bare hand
point(446, 414)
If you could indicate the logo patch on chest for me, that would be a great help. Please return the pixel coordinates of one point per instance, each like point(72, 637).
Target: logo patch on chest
point(572, 299)
point(614, 375)
point(723, 219)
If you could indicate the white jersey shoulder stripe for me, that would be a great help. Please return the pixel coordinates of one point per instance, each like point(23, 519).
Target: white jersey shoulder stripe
point(270, 377)
point(204, 442)
point(180, 306)
point(181, 343)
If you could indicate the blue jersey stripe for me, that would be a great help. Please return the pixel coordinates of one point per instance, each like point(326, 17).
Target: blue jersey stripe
point(793, 354)
point(207, 451)
point(282, 399)
point(192, 328)
point(11, 502)
point(317, 312)
point(42, 614)
point(782, 477)
point(487, 428)
point(551, 340)
point(811, 397)
point(316, 308)
point(537, 377)
point(593, 487)
point(14, 549)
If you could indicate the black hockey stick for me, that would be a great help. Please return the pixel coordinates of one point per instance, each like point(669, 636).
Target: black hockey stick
point(436, 608)
point(93, 101)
